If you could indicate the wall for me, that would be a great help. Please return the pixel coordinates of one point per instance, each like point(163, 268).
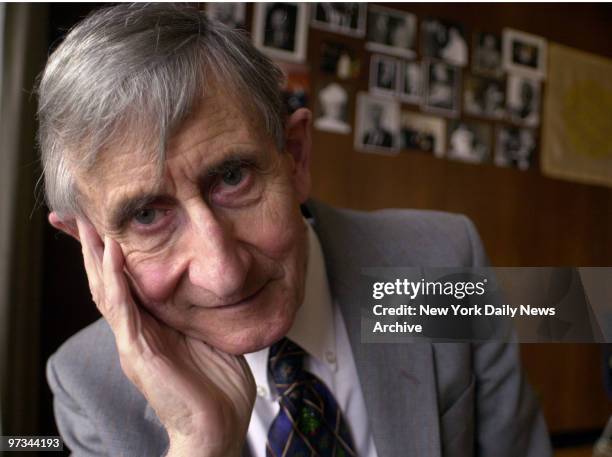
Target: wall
point(524, 218)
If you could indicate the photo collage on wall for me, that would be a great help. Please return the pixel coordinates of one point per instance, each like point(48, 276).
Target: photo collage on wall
point(432, 85)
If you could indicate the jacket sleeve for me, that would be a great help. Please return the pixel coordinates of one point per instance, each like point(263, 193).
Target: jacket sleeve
point(509, 421)
point(77, 430)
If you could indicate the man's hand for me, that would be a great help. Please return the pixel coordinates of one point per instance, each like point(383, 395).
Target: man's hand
point(203, 397)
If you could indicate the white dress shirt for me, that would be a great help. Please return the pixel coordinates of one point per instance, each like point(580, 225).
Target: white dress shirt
point(319, 329)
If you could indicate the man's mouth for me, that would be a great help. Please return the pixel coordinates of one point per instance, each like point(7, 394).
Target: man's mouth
point(247, 299)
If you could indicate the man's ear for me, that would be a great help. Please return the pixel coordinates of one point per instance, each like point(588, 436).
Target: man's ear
point(68, 226)
point(298, 143)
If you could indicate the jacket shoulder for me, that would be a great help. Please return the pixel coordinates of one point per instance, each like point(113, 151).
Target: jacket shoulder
point(97, 409)
point(402, 237)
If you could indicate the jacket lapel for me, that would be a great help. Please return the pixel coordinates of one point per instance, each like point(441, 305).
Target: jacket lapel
point(398, 380)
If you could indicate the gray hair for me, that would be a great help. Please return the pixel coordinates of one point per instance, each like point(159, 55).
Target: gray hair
point(142, 68)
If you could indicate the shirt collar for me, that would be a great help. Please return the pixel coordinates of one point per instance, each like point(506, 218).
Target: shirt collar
point(313, 327)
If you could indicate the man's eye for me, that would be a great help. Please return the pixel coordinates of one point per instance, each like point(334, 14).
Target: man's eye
point(232, 176)
point(146, 216)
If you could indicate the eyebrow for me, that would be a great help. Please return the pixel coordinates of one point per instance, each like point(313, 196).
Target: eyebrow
point(128, 206)
point(125, 209)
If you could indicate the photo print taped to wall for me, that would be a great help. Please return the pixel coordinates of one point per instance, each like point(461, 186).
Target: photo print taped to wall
point(377, 124)
point(469, 141)
point(524, 54)
point(280, 30)
point(444, 41)
point(340, 17)
point(391, 31)
point(441, 90)
point(487, 54)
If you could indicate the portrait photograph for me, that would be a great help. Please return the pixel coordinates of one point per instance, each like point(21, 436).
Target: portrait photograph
point(524, 53)
point(410, 88)
point(340, 60)
point(226, 228)
point(514, 147)
point(423, 133)
point(280, 30)
point(484, 97)
point(232, 14)
point(445, 41)
point(332, 108)
point(469, 141)
point(340, 17)
point(487, 54)
point(442, 86)
point(391, 31)
point(384, 74)
point(377, 124)
point(523, 100)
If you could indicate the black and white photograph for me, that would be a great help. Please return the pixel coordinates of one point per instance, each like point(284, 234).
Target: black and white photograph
point(340, 60)
point(484, 97)
point(384, 74)
point(391, 31)
point(514, 147)
point(442, 87)
point(410, 82)
point(523, 100)
point(232, 14)
point(280, 30)
point(524, 53)
point(377, 124)
point(340, 17)
point(469, 141)
point(331, 111)
point(424, 133)
point(444, 40)
point(487, 54)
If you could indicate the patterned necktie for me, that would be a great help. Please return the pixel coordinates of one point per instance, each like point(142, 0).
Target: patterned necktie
point(309, 423)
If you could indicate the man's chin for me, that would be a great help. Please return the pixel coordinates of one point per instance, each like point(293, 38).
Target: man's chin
point(246, 340)
point(254, 342)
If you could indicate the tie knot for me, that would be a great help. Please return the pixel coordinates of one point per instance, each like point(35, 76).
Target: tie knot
point(285, 363)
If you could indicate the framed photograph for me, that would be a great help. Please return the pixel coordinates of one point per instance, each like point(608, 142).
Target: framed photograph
point(391, 31)
point(377, 124)
point(332, 108)
point(524, 53)
point(487, 54)
point(280, 30)
point(445, 41)
point(339, 60)
point(420, 132)
point(410, 81)
point(231, 14)
point(340, 17)
point(484, 97)
point(523, 100)
point(441, 89)
point(514, 147)
point(384, 74)
point(469, 141)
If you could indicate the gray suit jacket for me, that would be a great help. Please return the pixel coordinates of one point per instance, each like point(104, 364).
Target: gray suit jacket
point(423, 400)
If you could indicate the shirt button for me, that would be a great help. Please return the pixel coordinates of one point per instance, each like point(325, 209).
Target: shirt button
point(262, 391)
point(330, 356)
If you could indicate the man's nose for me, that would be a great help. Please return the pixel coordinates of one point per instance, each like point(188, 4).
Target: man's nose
point(219, 264)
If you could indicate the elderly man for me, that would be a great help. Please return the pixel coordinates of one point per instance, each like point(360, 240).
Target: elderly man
point(168, 155)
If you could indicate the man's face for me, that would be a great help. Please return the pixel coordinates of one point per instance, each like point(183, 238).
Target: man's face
point(218, 249)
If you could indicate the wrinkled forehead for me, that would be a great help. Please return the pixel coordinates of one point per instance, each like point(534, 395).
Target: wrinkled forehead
point(133, 164)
